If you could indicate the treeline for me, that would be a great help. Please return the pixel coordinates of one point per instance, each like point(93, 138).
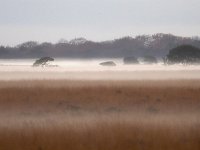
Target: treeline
point(157, 45)
point(184, 54)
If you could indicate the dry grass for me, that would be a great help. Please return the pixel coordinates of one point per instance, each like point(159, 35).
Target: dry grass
point(100, 115)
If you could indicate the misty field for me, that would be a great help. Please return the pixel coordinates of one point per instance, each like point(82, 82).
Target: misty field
point(100, 115)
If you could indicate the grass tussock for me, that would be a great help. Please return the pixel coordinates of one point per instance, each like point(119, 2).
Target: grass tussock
point(100, 115)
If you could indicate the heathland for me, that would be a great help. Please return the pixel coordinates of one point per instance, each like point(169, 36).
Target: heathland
point(100, 114)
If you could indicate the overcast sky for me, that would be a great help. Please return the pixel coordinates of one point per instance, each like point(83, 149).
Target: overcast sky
point(51, 20)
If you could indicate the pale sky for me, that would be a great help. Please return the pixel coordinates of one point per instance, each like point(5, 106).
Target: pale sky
point(51, 20)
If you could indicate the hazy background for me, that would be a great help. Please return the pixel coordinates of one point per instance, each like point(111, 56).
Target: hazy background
point(50, 20)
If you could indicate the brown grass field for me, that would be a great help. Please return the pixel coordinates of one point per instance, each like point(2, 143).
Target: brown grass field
point(100, 115)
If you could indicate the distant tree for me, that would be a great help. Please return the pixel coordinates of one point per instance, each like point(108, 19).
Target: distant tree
point(42, 61)
point(78, 41)
point(3, 52)
point(185, 54)
point(130, 60)
point(2, 49)
point(197, 38)
point(46, 44)
point(150, 59)
point(157, 45)
point(29, 44)
point(165, 60)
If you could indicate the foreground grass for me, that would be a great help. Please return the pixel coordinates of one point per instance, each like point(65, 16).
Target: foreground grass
point(100, 115)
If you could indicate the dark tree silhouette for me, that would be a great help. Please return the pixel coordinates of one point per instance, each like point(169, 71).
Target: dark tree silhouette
point(185, 54)
point(42, 61)
point(130, 60)
point(157, 45)
point(27, 45)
